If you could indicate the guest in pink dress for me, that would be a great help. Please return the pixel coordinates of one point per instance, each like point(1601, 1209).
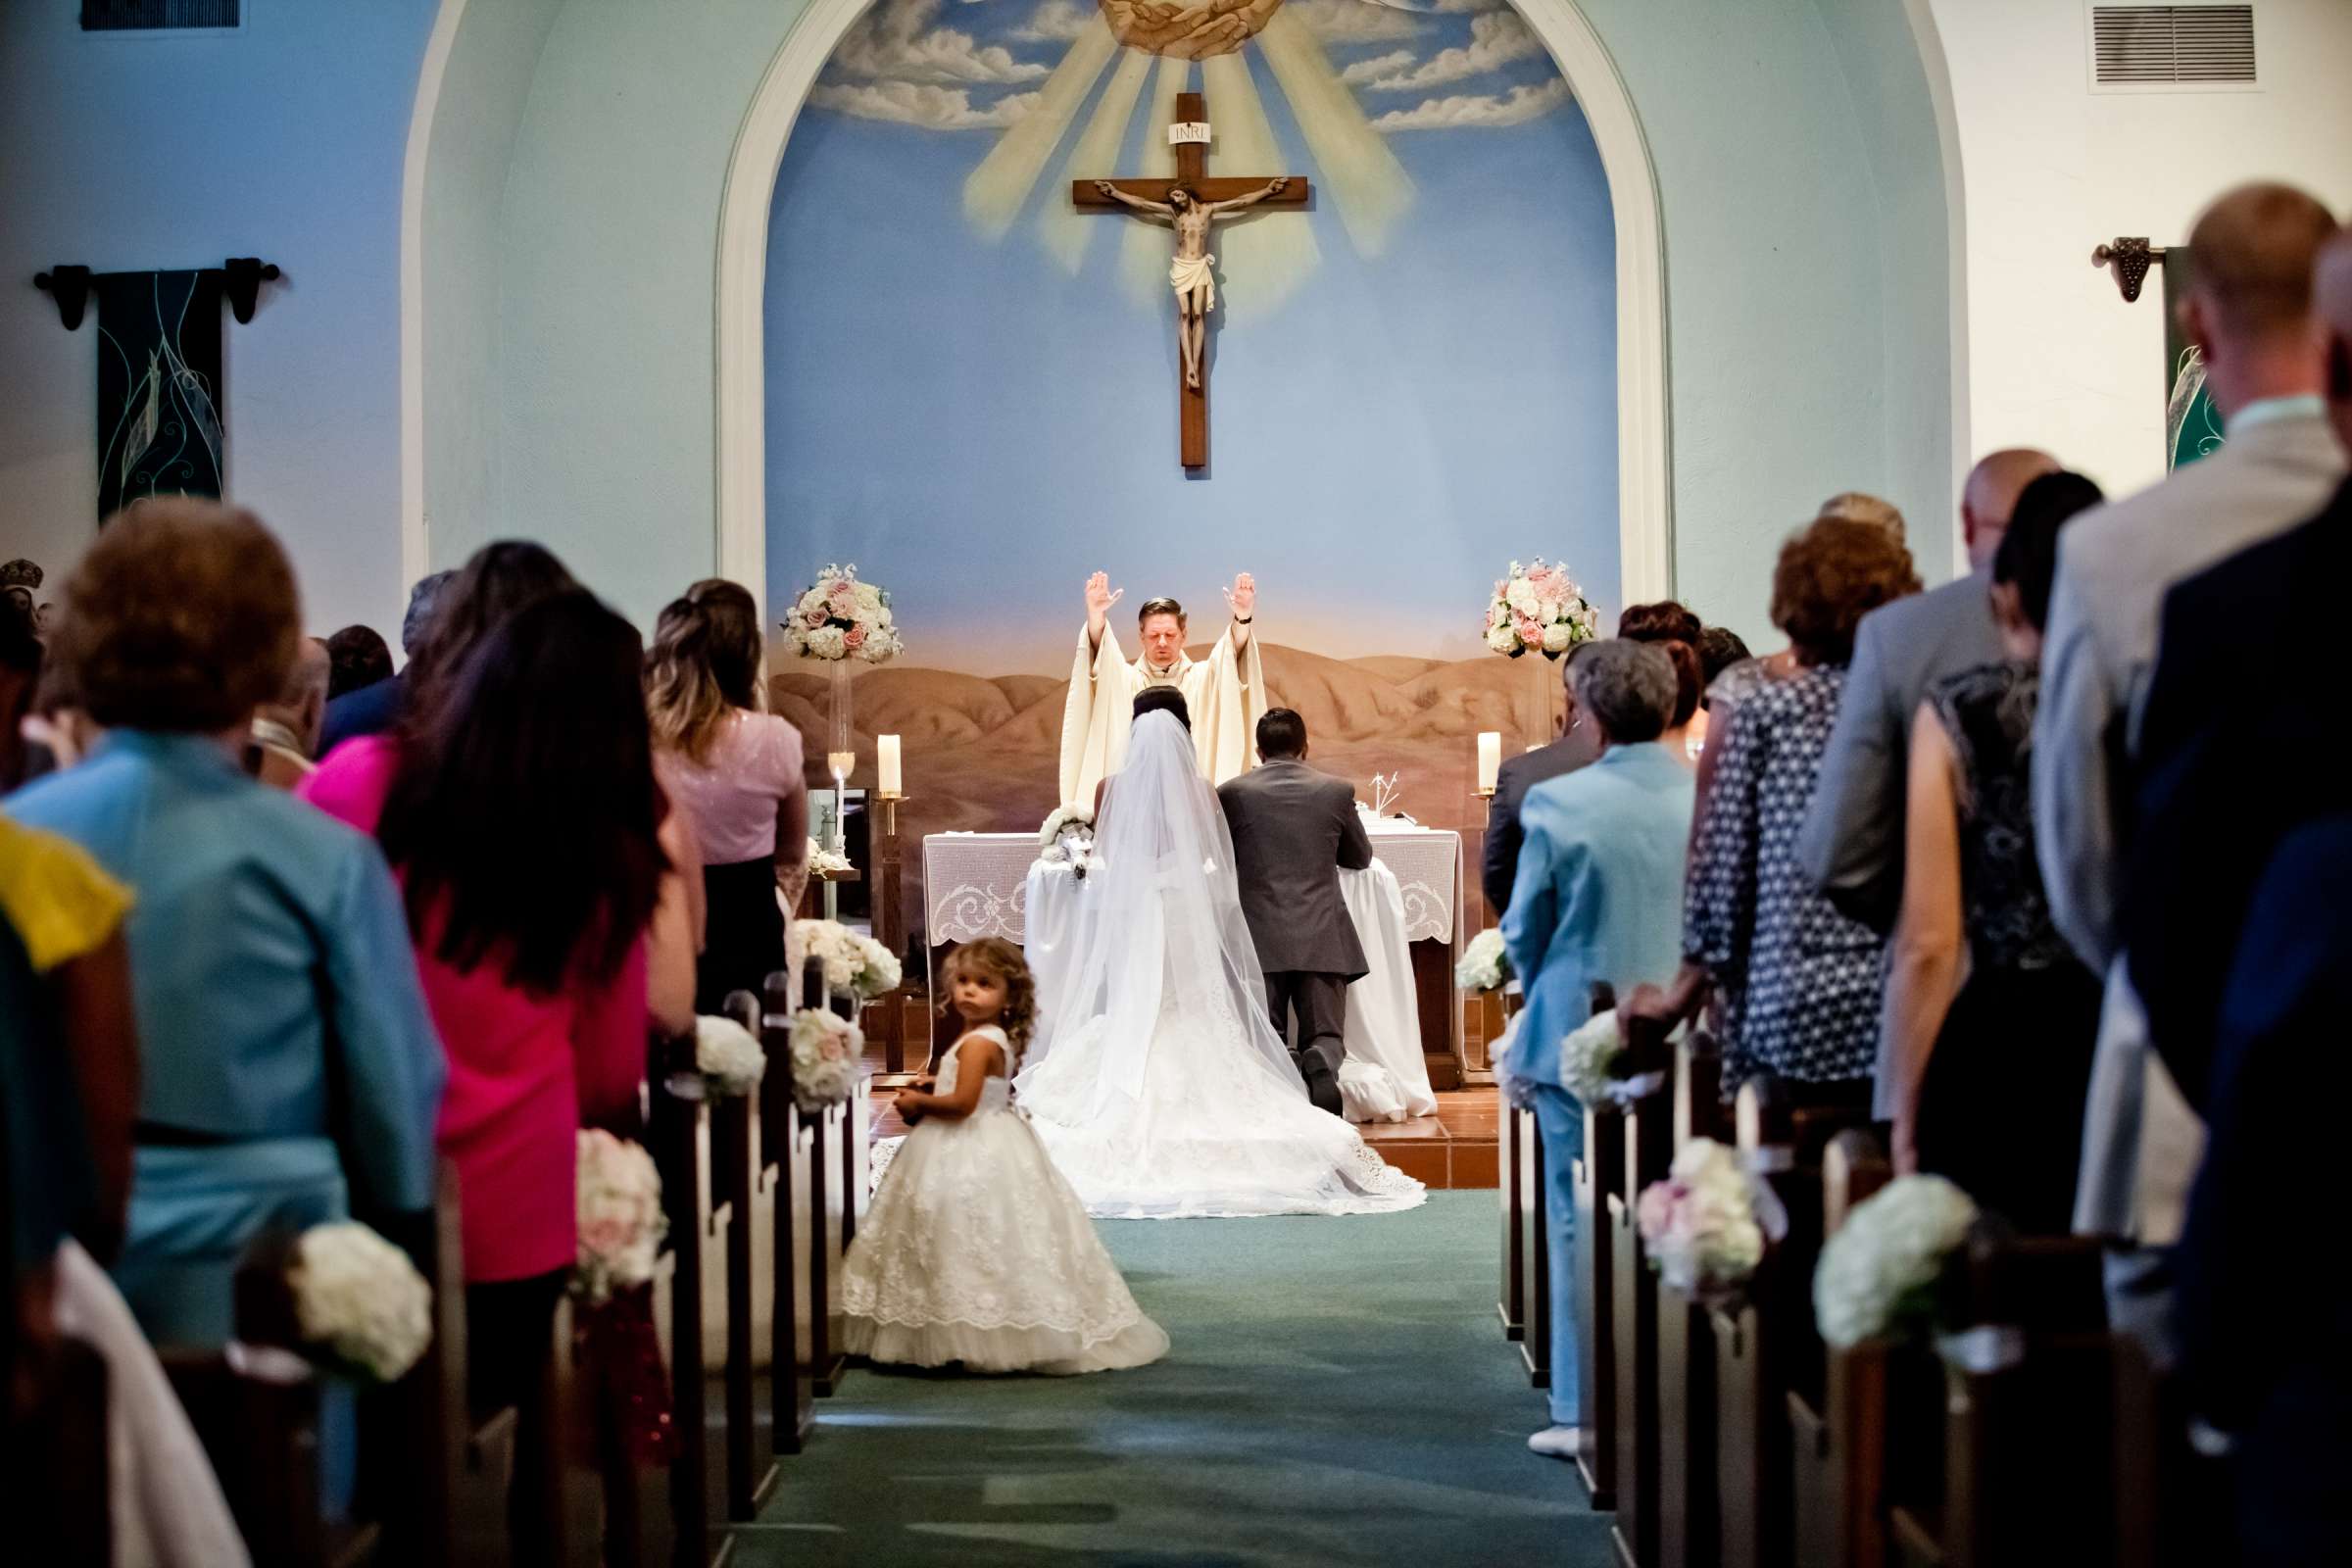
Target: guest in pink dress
point(522, 818)
point(737, 772)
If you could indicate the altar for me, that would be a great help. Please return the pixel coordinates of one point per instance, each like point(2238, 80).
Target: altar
point(978, 885)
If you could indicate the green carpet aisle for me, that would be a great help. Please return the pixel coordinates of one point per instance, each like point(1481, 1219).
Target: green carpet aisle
point(1338, 1393)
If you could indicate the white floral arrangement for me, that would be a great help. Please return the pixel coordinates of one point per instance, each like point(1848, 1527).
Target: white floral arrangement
point(827, 1051)
point(1700, 1225)
point(1068, 839)
point(1883, 1275)
point(360, 1302)
point(728, 1056)
point(854, 964)
point(839, 618)
point(1539, 609)
point(1588, 1053)
point(827, 862)
point(621, 1221)
point(1484, 965)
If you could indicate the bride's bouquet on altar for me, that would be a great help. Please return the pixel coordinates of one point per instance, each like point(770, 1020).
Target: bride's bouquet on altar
point(1068, 839)
point(839, 618)
point(1539, 609)
point(1703, 1226)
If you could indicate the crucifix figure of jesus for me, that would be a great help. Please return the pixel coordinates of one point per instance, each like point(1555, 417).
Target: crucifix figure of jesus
point(1189, 204)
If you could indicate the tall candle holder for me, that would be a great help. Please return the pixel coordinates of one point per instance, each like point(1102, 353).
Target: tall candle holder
point(890, 913)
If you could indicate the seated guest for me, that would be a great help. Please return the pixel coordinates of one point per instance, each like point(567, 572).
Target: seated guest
point(522, 819)
point(358, 658)
point(375, 707)
point(2277, 1380)
point(1574, 747)
point(1797, 983)
point(285, 732)
point(291, 1074)
point(736, 771)
point(1989, 1082)
point(1676, 630)
point(1597, 899)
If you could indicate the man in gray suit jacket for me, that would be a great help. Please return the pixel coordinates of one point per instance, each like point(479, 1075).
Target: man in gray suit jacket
point(1293, 831)
point(1851, 843)
point(2249, 311)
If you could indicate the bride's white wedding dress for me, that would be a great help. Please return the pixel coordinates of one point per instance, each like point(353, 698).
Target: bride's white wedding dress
point(1157, 1083)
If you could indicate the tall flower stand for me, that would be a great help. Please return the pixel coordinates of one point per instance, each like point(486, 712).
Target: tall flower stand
point(840, 760)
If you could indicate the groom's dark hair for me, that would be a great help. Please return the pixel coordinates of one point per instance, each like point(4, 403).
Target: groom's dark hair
point(1163, 700)
point(1280, 734)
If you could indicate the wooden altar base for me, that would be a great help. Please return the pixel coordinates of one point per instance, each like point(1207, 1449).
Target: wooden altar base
point(1454, 1148)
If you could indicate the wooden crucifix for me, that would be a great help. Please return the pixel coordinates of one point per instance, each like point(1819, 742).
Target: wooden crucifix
point(1189, 204)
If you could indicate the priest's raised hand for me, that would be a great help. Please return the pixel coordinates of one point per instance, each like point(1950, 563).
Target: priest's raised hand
point(1225, 692)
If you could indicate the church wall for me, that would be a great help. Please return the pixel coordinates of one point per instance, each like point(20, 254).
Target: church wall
point(284, 141)
point(483, 95)
point(2053, 167)
point(1779, 350)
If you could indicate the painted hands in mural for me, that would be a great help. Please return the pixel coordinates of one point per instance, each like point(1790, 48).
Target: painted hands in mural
point(1180, 32)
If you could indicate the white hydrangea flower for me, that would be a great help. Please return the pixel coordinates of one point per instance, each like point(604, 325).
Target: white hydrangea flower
point(1520, 596)
point(1502, 638)
point(728, 1055)
point(827, 1054)
point(1556, 637)
point(1484, 965)
point(1878, 1275)
point(359, 1297)
point(1587, 1054)
point(827, 642)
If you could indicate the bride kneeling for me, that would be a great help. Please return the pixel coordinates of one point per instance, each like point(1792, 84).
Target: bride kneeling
point(1158, 1084)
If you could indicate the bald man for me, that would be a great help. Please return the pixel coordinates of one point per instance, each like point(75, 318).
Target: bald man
point(2243, 649)
point(2250, 312)
point(285, 733)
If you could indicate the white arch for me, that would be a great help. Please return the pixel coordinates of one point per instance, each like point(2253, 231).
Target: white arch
point(1645, 507)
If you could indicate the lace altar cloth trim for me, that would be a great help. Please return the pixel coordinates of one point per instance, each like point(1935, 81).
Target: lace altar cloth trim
point(977, 882)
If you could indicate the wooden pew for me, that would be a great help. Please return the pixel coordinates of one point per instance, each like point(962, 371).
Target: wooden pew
point(1765, 1344)
point(1518, 1151)
point(792, 1393)
point(1837, 1440)
point(56, 1452)
point(676, 1135)
point(1685, 1362)
point(740, 1174)
point(1648, 1144)
point(2027, 1411)
point(1599, 1183)
point(824, 1160)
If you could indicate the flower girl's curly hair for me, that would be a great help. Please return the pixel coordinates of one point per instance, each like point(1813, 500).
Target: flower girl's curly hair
point(998, 959)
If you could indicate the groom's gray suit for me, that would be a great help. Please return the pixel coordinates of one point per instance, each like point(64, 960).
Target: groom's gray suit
point(1293, 830)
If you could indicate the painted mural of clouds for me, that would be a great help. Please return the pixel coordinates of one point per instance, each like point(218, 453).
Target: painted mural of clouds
point(1498, 38)
point(896, 43)
point(917, 103)
point(1378, 66)
point(1054, 22)
point(1345, 21)
point(1521, 105)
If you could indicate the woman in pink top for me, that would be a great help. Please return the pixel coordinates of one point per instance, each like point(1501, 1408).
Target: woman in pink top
point(737, 772)
point(522, 818)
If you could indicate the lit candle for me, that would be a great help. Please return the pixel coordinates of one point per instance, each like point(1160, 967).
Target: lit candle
point(1490, 759)
point(886, 764)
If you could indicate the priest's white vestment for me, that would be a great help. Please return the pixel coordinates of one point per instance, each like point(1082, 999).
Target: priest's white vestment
point(1224, 693)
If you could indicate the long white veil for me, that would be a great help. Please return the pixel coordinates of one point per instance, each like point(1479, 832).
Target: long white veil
point(1159, 925)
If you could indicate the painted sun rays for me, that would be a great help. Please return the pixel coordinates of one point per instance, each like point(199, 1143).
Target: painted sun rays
point(1369, 187)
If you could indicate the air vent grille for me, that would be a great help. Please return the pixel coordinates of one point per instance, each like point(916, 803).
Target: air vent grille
point(2173, 45)
point(157, 15)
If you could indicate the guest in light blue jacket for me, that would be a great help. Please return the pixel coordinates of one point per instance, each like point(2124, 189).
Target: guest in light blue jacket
point(290, 1072)
point(1598, 898)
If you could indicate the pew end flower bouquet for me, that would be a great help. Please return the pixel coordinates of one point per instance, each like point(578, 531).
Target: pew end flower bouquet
point(1887, 1272)
point(827, 1053)
point(1703, 1227)
point(621, 1221)
point(360, 1304)
point(1485, 966)
point(728, 1056)
point(854, 964)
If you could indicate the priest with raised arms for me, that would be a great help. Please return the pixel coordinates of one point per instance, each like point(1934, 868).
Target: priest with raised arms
point(1225, 693)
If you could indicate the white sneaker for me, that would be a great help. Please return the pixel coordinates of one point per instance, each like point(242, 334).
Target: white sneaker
point(1558, 1443)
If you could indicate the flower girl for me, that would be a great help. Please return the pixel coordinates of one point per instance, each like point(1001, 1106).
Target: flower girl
point(976, 1250)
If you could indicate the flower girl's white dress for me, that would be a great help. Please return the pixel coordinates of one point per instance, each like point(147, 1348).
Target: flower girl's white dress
point(977, 1251)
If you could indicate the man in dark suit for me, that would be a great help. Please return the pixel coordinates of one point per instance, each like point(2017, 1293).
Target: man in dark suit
point(1576, 747)
point(2264, 1350)
point(1293, 831)
point(373, 709)
point(2226, 766)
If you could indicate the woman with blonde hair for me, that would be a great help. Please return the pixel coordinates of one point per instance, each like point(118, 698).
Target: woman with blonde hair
point(735, 770)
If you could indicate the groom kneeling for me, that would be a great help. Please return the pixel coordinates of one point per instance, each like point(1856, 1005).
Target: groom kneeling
point(1293, 831)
